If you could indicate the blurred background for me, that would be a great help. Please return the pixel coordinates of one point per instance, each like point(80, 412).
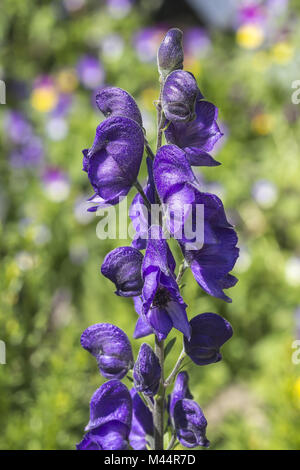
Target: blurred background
point(54, 56)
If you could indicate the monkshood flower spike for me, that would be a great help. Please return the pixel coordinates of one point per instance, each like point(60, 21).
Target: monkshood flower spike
point(159, 411)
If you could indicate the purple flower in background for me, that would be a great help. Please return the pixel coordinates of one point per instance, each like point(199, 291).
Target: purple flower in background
point(179, 96)
point(123, 267)
point(113, 101)
point(113, 162)
point(111, 347)
point(209, 333)
point(56, 184)
point(30, 155)
point(17, 127)
point(251, 13)
point(110, 418)
point(90, 72)
point(146, 42)
point(180, 391)
point(142, 423)
point(198, 137)
point(170, 52)
point(190, 424)
point(147, 371)
point(163, 306)
point(119, 8)
point(196, 42)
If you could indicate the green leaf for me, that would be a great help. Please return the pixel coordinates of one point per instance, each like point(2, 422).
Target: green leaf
point(169, 346)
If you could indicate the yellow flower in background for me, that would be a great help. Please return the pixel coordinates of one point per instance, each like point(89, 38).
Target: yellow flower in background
point(262, 124)
point(193, 65)
point(67, 81)
point(260, 61)
point(282, 52)
point(148, 96)
point(250, 36)
point(44, 98)
point(296, 389)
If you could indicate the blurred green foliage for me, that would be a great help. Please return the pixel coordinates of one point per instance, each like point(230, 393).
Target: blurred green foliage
point(51, 289)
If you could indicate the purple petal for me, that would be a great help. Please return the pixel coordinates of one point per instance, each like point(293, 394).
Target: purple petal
point(179, 96)
point(113, 101)
point(209, 333)
point(110, 402)
point(123, 267)
point(147, 371)
point(170, 52)
point(190, 424)
point(142, 423)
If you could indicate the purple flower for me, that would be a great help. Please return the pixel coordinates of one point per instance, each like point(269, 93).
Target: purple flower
point(90, 72)
point(142, 423)
point(177, 187)
point(123, 267)
point(198, 137)
point(212, 263)
point(170, 52)
point(179, 96)
point(147, 371)
point(139, 214)
point(30, 155)
point(146, 41)
point(110, 418)
point(180, 391)
point(163, 306)
point(113, 101)
point(196, 42)
point(142, 327)
point(113, 162)
point(111, 347)
point(209, 333)
point(17, 127)
point(190, 424)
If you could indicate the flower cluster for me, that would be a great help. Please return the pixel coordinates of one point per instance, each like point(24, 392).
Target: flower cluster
point(147, 271)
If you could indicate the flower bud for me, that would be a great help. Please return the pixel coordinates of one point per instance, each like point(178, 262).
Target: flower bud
point(123, 267)
point(111, 347)
point(179, 96)
point(190, 424)
point(170, 53)
point(209, 332)
point(147, 371)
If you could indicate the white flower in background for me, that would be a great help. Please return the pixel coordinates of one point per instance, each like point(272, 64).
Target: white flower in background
point(57, 128)
point(265, 193)
point(292, 271)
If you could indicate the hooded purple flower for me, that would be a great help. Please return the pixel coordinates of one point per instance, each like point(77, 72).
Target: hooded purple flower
point(113, 101)
point(111, 347)
point(170, 52)
point(147, 371)
point(179, 96)
point(123, 267)
point(197, 138)
point(178, 188)
point(113, 162)
point(209, 333)
point(142, 430)
point(190, 424)
point(110, 418)
point(163, 306)
point(180, 391)
point(139, 214)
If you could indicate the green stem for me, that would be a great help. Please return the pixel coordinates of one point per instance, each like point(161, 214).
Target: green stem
point(159, 402)
point(176, 369)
